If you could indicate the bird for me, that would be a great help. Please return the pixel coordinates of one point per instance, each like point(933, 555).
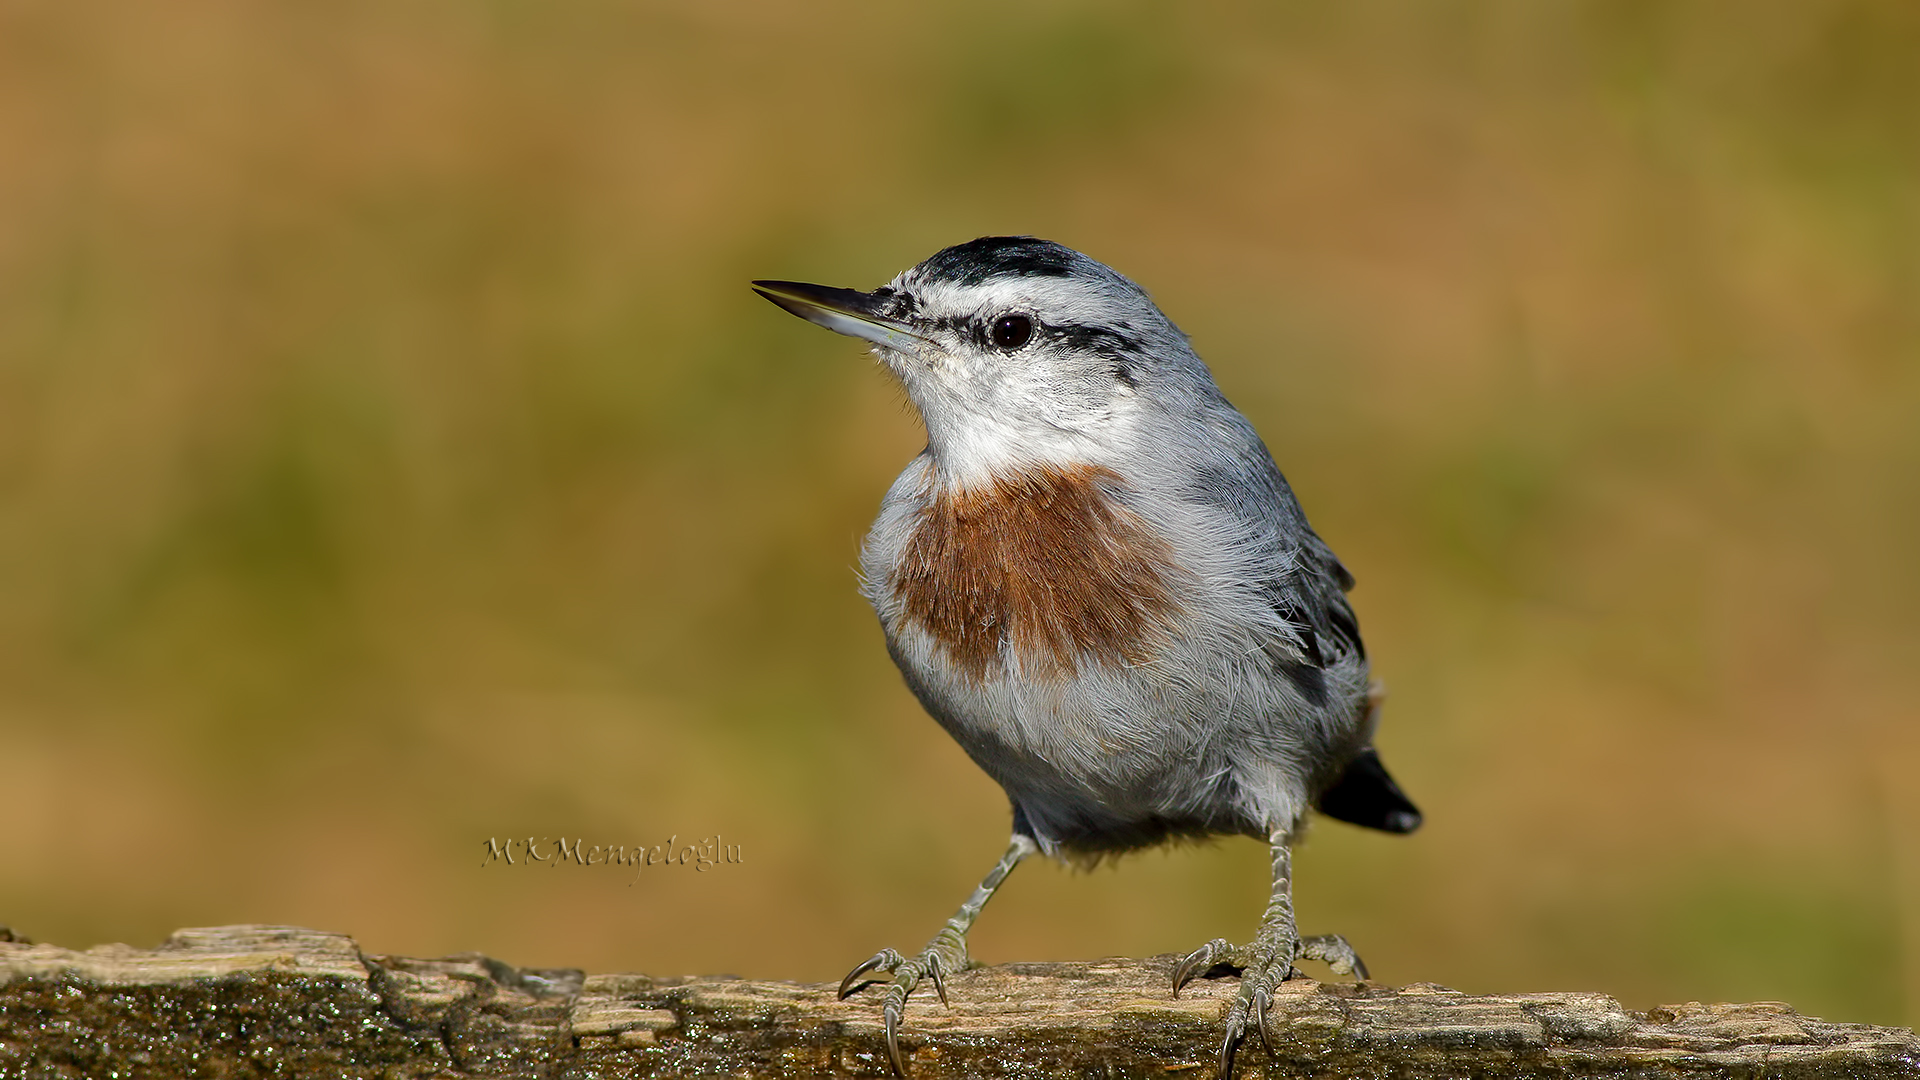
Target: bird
point(1096, 579)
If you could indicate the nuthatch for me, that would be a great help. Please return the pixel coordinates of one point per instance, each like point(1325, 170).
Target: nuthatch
point(1095, 578)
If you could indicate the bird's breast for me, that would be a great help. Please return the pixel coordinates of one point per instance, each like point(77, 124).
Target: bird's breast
point(1043, 568)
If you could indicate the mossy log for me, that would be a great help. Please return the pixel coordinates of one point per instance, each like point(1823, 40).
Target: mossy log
point(259, 1001)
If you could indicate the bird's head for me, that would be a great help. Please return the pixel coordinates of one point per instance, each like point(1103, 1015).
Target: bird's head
point(1018, 352)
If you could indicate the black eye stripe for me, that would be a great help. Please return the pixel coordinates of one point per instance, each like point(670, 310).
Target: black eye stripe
point(1098, 340)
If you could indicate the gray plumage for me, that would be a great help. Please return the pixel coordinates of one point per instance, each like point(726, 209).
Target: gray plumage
point(1240, 695)
point(1213, 736)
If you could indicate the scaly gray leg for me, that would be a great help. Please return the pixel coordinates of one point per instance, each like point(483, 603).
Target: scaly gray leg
point(944, 955)
point(1268, 962)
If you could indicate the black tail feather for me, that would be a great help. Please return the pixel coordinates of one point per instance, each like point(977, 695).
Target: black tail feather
point(1366, 795)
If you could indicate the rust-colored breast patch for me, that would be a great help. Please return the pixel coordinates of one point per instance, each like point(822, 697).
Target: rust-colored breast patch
point(1044, 560)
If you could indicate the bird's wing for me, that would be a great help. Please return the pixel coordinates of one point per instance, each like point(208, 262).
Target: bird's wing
point(1297, 575)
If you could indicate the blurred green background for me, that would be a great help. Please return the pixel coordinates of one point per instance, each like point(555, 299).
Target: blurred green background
point(392, 456)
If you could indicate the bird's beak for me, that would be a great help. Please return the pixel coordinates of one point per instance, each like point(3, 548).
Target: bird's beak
point(844, 311)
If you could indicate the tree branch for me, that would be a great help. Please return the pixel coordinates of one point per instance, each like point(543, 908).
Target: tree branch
point(245, 1001)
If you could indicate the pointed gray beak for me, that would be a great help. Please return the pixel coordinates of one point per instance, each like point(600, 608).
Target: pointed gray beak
point(843, 311)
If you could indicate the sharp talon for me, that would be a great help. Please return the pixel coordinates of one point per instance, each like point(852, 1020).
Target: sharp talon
point(857, 973)
point(939, 984)
point(874, 961)
point(1359, 969)
point(1234, 1032)
point(1261, 1003)
point(1185, 970)
point(893, 1044)
point(1198, 962)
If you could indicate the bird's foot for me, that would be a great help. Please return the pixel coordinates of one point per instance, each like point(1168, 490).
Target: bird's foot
point(1263, 966)
point(943, 956)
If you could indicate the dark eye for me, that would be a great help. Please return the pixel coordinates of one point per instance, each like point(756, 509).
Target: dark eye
point(1012, 331)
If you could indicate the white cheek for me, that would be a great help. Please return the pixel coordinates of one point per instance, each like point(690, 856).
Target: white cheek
point(976, 444)
point(985, 420)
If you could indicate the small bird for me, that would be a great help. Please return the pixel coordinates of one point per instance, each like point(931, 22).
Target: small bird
point(1096, 579)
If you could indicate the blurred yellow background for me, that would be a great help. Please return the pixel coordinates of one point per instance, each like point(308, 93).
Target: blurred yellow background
point(392, 456)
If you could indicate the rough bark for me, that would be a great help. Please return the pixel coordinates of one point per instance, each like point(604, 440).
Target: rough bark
point(260, 1001)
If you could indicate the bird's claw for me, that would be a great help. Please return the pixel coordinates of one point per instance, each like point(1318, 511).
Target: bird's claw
point(885, 958)
point(939, 984)
point(1263, 966)
point(1333, 950)
point(1269, 966)
point(932, 963)
point(1204, 959)
point(1262, 1008)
